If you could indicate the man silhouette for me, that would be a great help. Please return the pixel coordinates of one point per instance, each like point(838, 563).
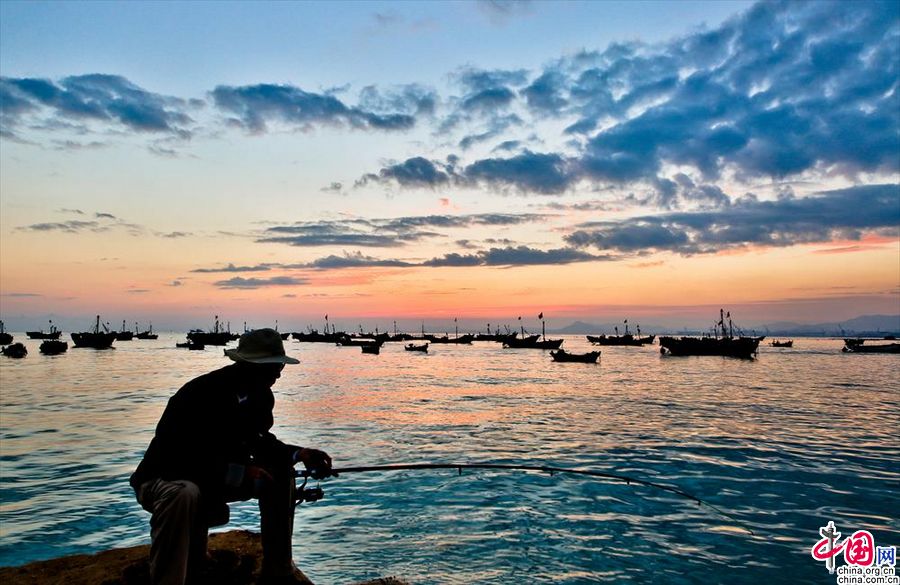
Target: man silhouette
point(213, 445)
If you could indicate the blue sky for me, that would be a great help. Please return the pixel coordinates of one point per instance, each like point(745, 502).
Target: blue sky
point(331, 154)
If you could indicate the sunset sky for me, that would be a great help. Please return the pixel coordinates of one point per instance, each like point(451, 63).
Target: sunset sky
point(424, 161)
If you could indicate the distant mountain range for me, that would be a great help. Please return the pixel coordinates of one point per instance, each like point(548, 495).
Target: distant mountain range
point(864, 326)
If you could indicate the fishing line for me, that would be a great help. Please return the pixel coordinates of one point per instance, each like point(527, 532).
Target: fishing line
point(306, 474)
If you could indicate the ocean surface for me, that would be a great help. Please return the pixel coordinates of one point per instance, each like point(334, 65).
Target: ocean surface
point(782, 444)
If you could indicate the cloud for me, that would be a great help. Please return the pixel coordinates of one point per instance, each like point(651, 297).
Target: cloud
point(100, 98)
point(252, 283)
point(354, 260)
point(71, 226)
point(137, 291)
point(386, 232)
point(499, 12)
point(176, 283)
point(845, 214)
point(232, 268)
point(515, 256)
point(16, 295)
point(335, 187)
point(413, 172)
point(314, 240)
point(254, 107)
point(174, 235)
point(782, 90)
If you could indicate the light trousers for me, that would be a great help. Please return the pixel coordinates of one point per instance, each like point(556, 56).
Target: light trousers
point(179, 531)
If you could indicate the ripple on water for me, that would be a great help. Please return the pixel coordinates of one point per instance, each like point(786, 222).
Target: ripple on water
point(759, 440)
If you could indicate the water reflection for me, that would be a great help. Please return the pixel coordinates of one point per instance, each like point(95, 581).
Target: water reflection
point(784, 443)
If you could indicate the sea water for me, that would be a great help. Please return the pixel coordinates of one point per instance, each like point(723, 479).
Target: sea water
point(782, 444)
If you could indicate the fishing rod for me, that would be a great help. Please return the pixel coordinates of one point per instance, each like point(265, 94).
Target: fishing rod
point(316, 493)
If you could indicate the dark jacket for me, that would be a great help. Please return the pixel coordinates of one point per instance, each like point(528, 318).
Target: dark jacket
point(211, 428)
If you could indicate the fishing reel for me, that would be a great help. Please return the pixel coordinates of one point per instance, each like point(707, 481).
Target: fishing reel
point(305, 494)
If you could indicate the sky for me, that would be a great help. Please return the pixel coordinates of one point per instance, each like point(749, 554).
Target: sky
point(426, 161)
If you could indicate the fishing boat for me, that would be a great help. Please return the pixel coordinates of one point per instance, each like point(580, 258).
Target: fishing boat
point(462, 339)
point(54, 333)
point(124, 334)
point(5, 338)
point(529, 343)
point(348, 341)
point(788, 343)
point(218, 336)
point(16, 350)
point(148, 334)
point(627, 339)
point(53, 347)
point(191, 345)
point(722, 343)
point(371, 348)
point(861, 347)
point(413, 347)
point(96, 338)
point(533, 341)
point(562, 355)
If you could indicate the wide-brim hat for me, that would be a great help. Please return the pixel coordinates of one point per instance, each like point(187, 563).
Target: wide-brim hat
point(260, 346)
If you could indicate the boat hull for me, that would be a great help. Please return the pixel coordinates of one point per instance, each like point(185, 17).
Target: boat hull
point(16, 350)
point(533, 344)
point(584, 358)
point(42, 335)
point(861, 348)
point(53, 347)
point(740, 347)
point(628, 340)
point(94, 340)
point(209, 338)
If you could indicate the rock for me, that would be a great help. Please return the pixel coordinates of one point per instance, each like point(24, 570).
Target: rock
point(236, 557)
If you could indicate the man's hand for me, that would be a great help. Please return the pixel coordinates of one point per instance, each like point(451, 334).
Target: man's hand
point(317, 462)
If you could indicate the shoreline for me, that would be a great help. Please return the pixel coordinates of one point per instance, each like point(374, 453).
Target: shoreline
point(236, 560)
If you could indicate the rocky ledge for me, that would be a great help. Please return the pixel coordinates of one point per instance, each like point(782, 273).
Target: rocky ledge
point(236, 557)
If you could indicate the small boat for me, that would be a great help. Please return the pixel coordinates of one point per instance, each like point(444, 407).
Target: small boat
point(16, 350)
point(358, 341)
point(124, 334)
point(413, 347)
point(788, 343)
point(191, 345)
point(371, 348)
point(562, 355)
point(5, 338)
point(148, 334)
point(863, 348)
point(54, 333)
point(53, 347)
point(96, 339)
